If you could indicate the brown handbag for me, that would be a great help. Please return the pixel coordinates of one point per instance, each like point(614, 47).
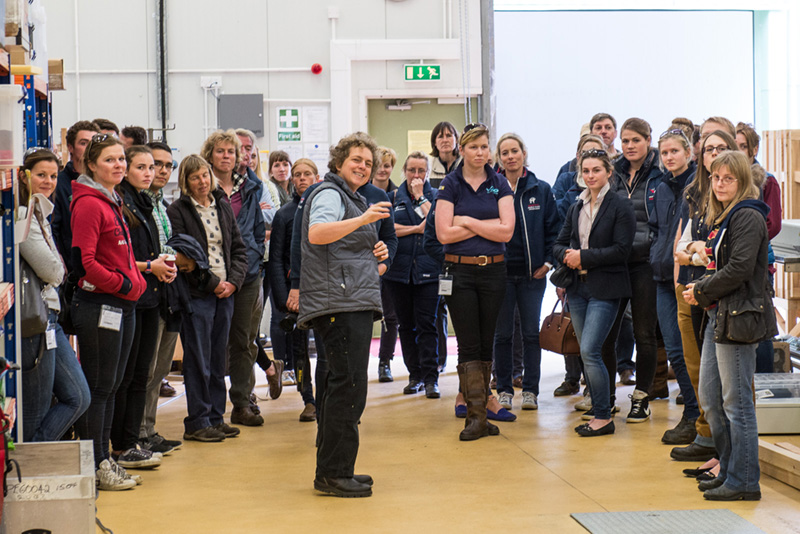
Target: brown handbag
point(557, 333)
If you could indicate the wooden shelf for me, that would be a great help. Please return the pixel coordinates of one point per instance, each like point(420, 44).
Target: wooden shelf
point(39, 82)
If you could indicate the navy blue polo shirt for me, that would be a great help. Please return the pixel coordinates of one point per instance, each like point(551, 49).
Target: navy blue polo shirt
point(480, 204)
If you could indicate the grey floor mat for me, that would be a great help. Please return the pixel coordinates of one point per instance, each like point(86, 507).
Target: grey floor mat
point(666, 522)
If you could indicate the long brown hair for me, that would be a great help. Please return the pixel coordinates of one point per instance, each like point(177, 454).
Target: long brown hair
point(130, 153)
point(697, 192)
point(31, 160)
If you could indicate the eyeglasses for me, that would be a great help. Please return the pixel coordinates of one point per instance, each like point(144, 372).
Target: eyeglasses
point(724, 180)
point(593, 153)
point(675, 131)
point(163, 164)
point(474, 125)
point(711, 149)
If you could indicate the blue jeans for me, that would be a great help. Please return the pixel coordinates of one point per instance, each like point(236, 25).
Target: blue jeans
point(415, 307)
point(204, 335)
point(104, 356)
point(592, 319)
point(56, 373)
point(525, 294)
point(726, 375)
point(667, 306)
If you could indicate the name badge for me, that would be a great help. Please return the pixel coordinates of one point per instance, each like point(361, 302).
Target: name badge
point(445, 285)
point(50, 337)
point(110, 318)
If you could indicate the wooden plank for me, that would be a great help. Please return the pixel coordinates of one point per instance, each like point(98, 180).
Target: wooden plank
point(788, 446)
point(779, 463)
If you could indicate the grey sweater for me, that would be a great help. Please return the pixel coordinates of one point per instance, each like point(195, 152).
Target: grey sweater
point(40, 253)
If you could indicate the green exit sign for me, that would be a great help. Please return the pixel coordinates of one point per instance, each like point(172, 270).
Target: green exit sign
point(417, 73)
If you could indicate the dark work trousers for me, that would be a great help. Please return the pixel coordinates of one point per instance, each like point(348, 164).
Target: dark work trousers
point(389, 324)
point(247, 306)
point(478, 292)
point(262, 359)
point(645, 324)
point(625, 342)
point(299, 344)
point(573, 365)
point(415, 305)
point(204, 335)
point(346, 337)
point(441, 332)
point(280, 338)
point(132, 393)
point(104, 354)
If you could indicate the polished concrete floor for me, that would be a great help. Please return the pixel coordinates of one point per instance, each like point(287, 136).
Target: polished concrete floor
point(532, 476)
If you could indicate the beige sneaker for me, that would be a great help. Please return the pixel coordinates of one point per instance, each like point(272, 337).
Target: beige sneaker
point(108, 480)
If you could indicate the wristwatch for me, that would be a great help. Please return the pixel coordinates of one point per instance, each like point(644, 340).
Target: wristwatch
point(148, 270)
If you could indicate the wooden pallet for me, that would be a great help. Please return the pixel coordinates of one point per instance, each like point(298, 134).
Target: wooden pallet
point(781, 149)
point(780, 459)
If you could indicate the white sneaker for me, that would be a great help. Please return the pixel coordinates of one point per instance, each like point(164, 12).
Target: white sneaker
point(118, 469)
point(505, 400)
point(529, 401)
point(108, 480)
point(586, 404)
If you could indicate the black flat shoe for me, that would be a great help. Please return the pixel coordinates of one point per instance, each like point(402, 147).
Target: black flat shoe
point(432, 391)
point(342, 487)
point(694, 473)
point(588, 432)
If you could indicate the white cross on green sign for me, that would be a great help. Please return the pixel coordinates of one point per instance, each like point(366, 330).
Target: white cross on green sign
point(289, 118)
point(417, 73)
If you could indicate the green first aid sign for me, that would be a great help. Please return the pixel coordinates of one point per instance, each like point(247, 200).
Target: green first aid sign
point(288, 119)
point(289, 124)
point(418, 73)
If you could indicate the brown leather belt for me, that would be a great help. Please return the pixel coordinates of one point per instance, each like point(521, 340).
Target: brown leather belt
point(474, 260)
point(582, 275)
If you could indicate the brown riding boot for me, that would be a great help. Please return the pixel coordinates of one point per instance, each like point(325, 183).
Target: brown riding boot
point(660, 389)
point(473, 387)
point(487, 374)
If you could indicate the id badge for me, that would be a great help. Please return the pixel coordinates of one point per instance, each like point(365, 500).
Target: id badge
point(110, 318)
point(445, 285)
point(50, 337)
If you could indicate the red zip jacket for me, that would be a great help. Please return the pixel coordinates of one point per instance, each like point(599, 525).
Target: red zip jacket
point(100, 239)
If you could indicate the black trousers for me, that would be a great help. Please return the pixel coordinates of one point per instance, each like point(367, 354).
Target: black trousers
point(478, 293)
point(346, 337)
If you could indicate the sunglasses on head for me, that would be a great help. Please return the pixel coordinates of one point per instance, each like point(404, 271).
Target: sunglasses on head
point(474, 125)
point(593, 153)
point(34, 149)
point(675, 131)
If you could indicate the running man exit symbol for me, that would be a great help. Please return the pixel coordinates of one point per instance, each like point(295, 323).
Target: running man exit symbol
point(418, 73)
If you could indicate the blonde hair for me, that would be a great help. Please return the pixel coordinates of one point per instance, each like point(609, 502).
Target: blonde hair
point(681, 137)
point(222, 136)
point(190, 165)
point(387, 153)
point(471, 135)
point(307, 162)
point(739, 166)
point(514, 137)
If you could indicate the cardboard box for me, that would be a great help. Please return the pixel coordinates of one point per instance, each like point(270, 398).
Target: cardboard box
point(55, 69)
point(782, 362)
point(17, 55)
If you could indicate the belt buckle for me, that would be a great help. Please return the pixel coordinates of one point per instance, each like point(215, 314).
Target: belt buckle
point(483, 261)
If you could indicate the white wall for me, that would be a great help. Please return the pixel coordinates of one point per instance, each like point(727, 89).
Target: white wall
point(206, 36)
point(573, 64)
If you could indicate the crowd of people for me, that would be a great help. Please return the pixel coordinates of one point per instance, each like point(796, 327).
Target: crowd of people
point(663, 245)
